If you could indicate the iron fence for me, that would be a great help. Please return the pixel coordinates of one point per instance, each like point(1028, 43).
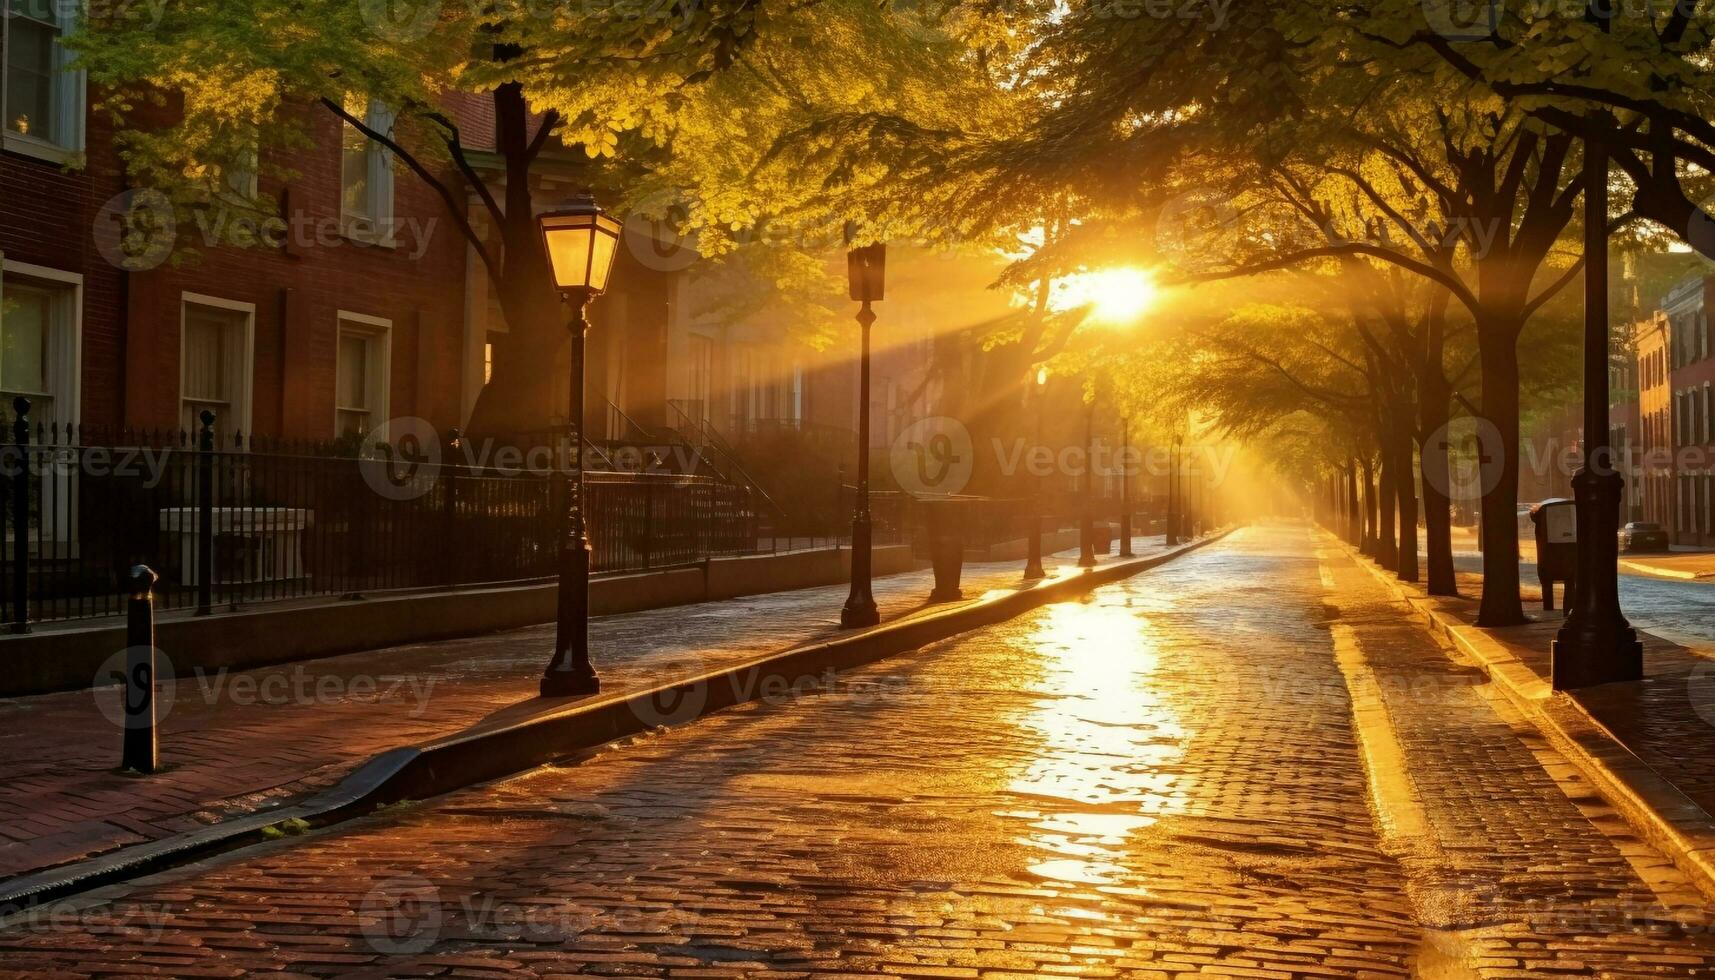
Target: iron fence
point(251, 520)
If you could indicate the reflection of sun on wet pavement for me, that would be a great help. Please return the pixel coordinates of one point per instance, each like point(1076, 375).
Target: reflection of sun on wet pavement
point(1103, 737)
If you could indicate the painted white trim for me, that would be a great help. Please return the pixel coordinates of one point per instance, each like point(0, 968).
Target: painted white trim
point(380, 331)
point(246, 380)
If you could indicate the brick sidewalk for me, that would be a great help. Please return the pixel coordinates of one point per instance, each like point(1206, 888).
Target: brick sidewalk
point(1667, 720)
point(234, 742)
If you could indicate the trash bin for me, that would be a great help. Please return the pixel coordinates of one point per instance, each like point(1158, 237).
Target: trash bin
point(1556, 547)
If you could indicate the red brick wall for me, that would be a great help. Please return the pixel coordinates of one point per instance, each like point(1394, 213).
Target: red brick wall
point(296, 334)
point(131, 328)
point(47, 218)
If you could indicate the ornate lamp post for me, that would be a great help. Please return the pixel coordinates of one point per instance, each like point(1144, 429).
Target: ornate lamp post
point(1033, 562)
point(581, 240)
point(1596, 645)
point(1125, 487)
point(866, 270)
point(1086, 515)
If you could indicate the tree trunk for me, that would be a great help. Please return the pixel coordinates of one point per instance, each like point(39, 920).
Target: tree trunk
point(1369, 505)
point(1500, 605)
point(1387, 542)
point(1354, 517)
point(515, 406)
point(1437, 480)
point(1406, 487)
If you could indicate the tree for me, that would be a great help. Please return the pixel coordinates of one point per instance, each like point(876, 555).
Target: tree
point(216, 86)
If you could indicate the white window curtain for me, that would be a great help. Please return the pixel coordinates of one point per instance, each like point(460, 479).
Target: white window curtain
point(39, 347)
point(366, 174)
point(360, 375)
point(213, 367)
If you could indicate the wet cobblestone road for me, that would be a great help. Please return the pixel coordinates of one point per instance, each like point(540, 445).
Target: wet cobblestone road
point(1245, 763)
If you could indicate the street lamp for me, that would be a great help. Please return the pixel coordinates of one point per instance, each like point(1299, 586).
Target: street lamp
point(1125, 487)
point(1086, 515)
point(581, 240)
point(1596, 645)
point(866, 270)
point(1033, 563)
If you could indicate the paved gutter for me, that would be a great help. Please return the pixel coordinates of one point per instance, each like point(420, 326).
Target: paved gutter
point(1649, 802)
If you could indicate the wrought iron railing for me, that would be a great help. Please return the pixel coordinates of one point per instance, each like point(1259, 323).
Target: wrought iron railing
point(251, 520)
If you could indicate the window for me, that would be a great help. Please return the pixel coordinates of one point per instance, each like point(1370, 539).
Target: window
point(214, 364)
point(40, 339)
point(239, 180)
point(41, 102)
point(366, 176)
point(360, 375)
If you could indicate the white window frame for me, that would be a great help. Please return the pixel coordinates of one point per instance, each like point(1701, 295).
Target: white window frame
point(70, 98)
point(379, 332)
point(65, 385)
point(65, 361)
point(244, 384)
point(378, 227)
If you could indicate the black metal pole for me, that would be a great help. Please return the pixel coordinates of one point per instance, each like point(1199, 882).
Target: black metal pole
point(1172, 528)
point(1596, 645)
point(1033, 561)
point(860, 608)
point(1086, 509)
point(140, 751)
point(205, 514)
point(1125, 488)
point(1188, 512)
point(570, 673)
point(21, 517)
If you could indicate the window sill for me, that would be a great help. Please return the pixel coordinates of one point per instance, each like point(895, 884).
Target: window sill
point(362, 231)
point(29, 146)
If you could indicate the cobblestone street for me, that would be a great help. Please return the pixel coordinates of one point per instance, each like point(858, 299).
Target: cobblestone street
point(1247, 762)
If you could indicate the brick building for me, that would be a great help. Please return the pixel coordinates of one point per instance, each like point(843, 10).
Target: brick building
point(1680, 377)
point(348, 315)
point(363, 302)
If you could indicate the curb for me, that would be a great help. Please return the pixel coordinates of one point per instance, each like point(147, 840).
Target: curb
point(1656, 809)
point(480, 754)
point(1644, 568)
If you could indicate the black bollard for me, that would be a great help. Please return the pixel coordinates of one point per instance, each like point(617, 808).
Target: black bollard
point(142, 751)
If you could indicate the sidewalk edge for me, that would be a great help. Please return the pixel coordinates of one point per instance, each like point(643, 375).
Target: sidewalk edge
point(478, 754)
point(1653, 571)
point(1656, 809)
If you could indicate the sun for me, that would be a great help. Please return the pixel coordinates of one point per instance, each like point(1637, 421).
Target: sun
point(1119, 295)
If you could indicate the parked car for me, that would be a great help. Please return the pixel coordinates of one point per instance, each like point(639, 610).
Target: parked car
point(1643, 536)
